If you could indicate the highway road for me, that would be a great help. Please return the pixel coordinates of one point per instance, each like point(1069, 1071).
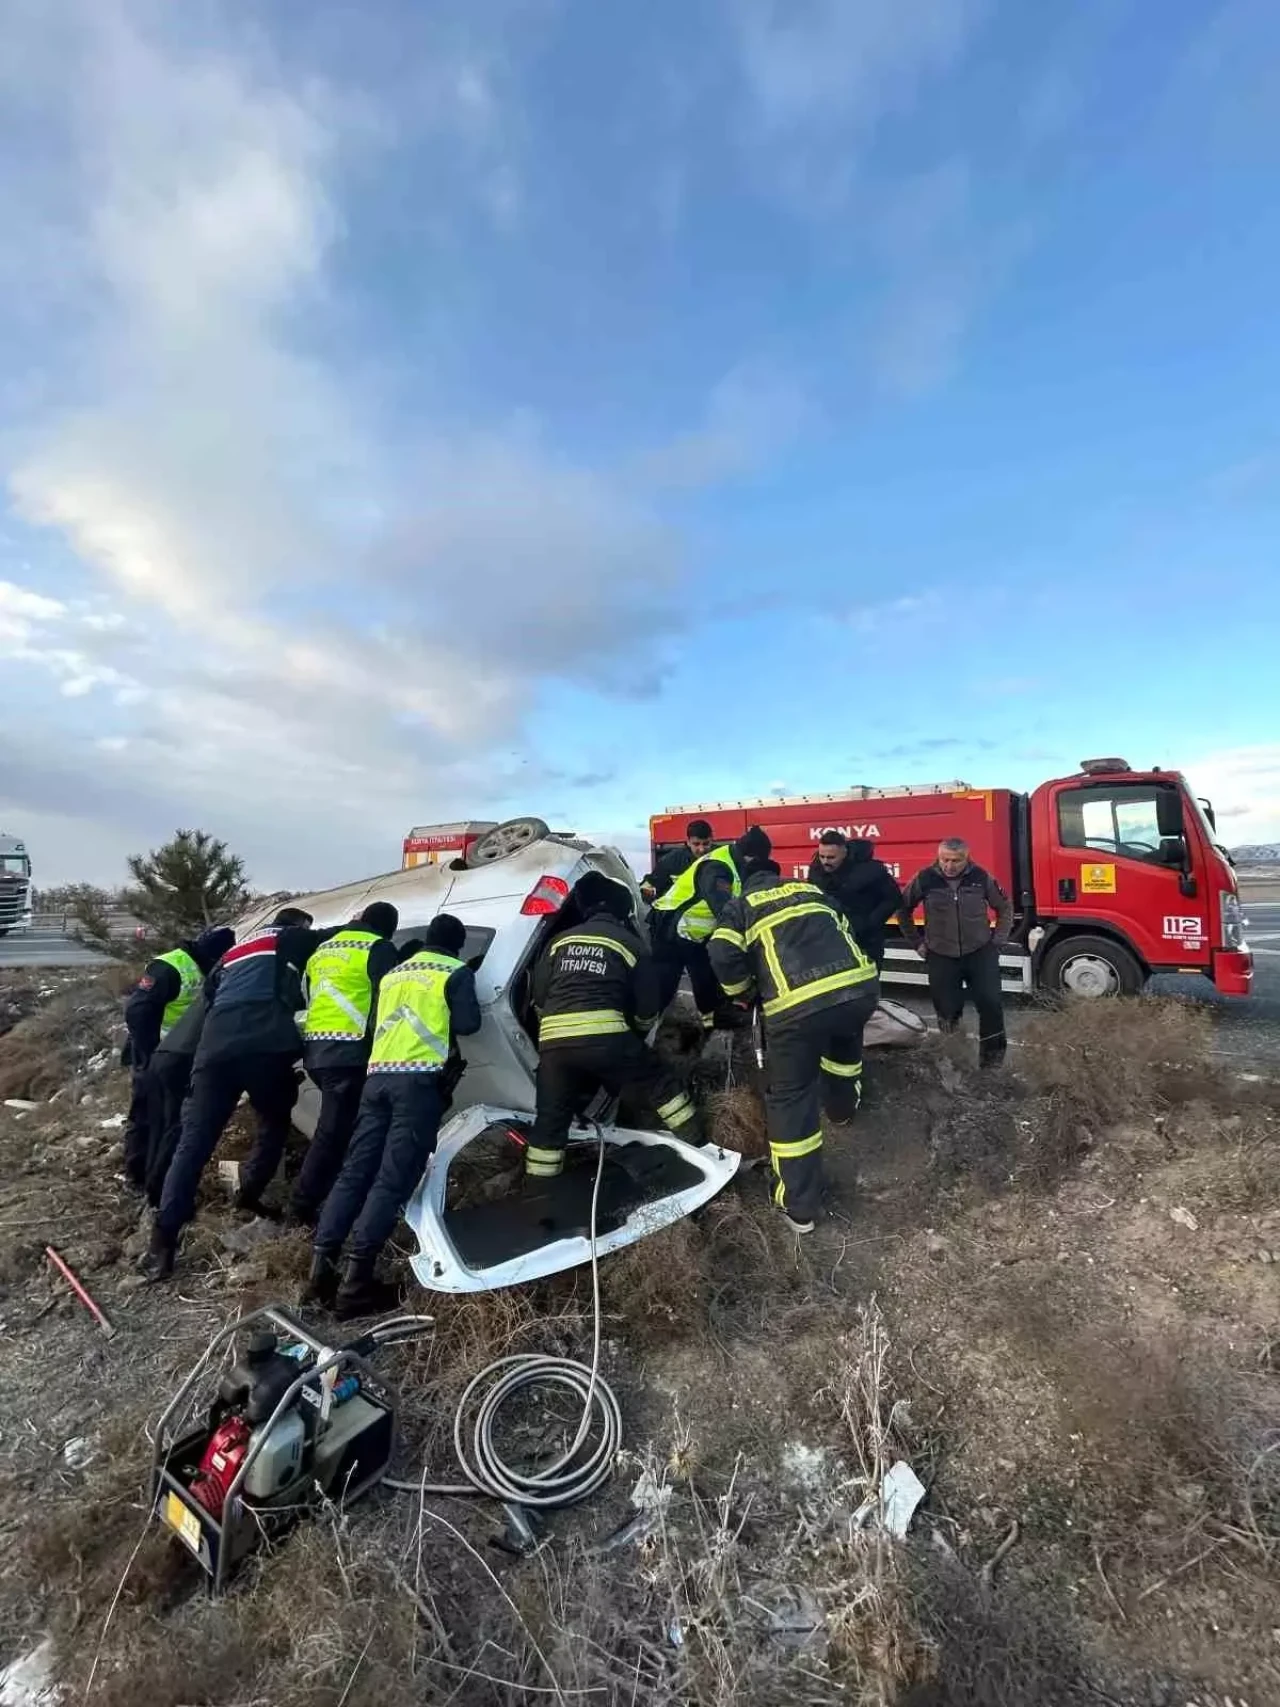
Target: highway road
point(47, 948)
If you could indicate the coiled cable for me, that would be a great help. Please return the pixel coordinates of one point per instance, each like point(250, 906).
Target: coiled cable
point(577, 1472)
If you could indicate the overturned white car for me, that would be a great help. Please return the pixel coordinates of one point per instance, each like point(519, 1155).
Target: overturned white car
point(513, 893)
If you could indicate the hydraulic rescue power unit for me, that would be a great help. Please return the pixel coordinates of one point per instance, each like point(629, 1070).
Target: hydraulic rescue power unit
point(291, 1423)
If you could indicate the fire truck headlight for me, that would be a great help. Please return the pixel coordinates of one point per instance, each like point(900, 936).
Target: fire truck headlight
point(1232, 920)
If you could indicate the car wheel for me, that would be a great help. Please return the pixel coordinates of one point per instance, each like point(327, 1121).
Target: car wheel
point(509, 838)
point(1090, 966)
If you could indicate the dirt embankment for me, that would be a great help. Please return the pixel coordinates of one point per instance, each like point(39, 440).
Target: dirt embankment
point(1053, 1292)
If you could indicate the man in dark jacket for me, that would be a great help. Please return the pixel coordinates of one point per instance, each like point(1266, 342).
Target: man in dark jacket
point(249, 1046)
point(595, 991)
point(859, 886)
point(697, 841)
point(168, 986)
point(960, 946)
point(343, 978)
point(425, 1005)
point(786, 947)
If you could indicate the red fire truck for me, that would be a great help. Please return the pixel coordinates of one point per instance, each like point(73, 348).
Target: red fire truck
point(1115, 874)
point(438, 844)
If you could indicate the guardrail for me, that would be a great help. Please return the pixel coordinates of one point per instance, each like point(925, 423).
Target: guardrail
point(122, 926)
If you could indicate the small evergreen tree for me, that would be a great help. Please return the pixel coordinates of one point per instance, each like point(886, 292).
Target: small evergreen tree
point(88, 911)
point(188, 884)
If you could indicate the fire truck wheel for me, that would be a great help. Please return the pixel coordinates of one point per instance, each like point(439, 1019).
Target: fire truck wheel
point(508, 838)
point(1090, 966)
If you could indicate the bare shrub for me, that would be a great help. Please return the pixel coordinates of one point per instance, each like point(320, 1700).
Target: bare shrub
point(658, 1288)
point(1116, 1056)
point(736, 1120)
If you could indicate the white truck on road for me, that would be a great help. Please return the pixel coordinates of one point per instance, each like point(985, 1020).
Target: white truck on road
point(15, 885)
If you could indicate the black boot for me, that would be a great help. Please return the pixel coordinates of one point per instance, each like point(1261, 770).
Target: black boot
point(158, 1262)
point(250, 1203)
point(322, 1283)
point(361, 1293)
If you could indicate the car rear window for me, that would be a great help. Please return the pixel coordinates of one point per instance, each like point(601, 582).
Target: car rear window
point(474, 948)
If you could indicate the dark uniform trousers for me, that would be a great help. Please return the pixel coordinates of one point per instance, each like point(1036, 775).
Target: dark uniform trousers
point(137, 1125)
point(814, 1067)
point(950, 976)
point(395, 1136)
point(340, 1092)
point(216, 1087)
point(168, 1081)
point(569, 1075)
point(673, 956)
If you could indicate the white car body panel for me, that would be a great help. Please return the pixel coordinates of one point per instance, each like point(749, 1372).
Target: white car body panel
point(440, 1268)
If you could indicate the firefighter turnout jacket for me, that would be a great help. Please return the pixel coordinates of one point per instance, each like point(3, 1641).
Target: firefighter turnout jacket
point(688, 904)
point(424, 1005)
point(594, 980)
point(786, 945)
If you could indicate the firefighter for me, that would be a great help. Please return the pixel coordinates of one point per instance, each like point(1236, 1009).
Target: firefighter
point(697, 841)
point(167, 988)
point(249, 1046)
point(684, 917)
point(595, 991)
point(786, 947)
point(342, 982)
point(424, 1006)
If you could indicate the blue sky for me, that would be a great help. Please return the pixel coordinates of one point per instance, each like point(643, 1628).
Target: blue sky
point(468, 407)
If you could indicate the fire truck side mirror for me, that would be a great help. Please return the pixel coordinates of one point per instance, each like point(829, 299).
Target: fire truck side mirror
point(1168, 812)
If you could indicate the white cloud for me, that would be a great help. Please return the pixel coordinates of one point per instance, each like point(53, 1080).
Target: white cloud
point(844, 63)
point(22, 612)
point(943, 263)
point(1244, 785)
point(753, 412)
point(322, 619)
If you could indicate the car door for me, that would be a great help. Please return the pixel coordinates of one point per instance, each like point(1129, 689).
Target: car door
point(1119, 858)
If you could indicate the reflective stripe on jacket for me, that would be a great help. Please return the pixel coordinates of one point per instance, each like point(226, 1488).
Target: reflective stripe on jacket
point(191, 981)
point(339, 990)
point(696, 920)
point(786, 943)
point(594, 980)
point(414, 1028)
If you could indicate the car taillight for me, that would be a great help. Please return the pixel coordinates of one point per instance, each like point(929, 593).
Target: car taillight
point(548, 895)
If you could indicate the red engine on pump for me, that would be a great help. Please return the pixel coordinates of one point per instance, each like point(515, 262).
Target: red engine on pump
point(222, 1459)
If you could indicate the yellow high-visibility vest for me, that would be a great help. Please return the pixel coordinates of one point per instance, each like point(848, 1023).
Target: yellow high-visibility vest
point(413, 1030)
point(696, 921)
point(191, 980)
point(339, 993)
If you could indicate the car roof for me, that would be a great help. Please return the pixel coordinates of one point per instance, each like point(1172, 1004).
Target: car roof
point(422, 891)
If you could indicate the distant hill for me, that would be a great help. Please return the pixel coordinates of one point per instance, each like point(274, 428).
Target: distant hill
point(1260, 853)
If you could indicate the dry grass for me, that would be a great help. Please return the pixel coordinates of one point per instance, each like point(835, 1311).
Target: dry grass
point(736, 1120)
point(1114, 1057)
point(1038, 1387)
point(41, 1052)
